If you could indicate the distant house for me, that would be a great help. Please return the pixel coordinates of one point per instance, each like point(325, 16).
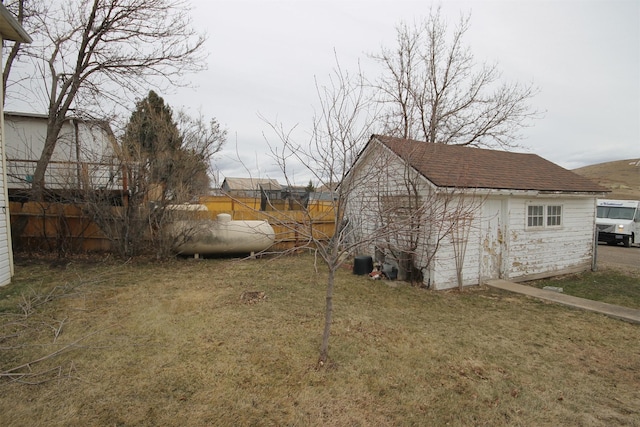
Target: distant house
point(272, 195)
point(252, 187)
point(10, 29)
point(499, 214)
point(85, 156)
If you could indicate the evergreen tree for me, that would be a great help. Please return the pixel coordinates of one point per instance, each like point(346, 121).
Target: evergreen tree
point(164, 159)
point(310, 188)
point(152, 139)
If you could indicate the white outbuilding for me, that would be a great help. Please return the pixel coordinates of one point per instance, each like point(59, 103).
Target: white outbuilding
point(465, 215)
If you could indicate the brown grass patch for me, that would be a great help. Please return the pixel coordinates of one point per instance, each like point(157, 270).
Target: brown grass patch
point(175, 344)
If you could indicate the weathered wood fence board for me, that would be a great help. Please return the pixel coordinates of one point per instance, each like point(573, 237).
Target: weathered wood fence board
point(67, 227)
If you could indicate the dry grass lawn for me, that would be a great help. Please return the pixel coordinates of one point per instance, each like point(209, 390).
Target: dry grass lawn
point(183, 343)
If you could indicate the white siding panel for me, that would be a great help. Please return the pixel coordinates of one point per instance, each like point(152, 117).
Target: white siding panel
point(445, 269)
point(527, 253)
point(539, 252)
point(376, 176)
point(5, 254)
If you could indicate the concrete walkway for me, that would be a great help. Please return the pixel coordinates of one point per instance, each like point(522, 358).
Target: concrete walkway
point(623, 313)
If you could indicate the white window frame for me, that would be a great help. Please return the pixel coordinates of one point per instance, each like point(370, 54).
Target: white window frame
point(551, 213)
point(534, 217)
point(557, 214)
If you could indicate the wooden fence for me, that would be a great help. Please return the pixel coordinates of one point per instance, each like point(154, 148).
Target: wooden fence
point(68, 228)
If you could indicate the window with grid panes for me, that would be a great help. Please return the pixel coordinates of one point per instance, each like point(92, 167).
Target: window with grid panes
point(554, 216)
point(535, 216)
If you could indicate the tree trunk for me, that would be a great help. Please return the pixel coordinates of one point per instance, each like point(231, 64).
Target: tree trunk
point(324, 348)
point(38, 185)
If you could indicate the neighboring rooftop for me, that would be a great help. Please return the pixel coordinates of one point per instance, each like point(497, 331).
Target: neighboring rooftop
point(250, 184)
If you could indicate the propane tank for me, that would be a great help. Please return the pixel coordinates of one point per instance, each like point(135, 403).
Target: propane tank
point(222, 236)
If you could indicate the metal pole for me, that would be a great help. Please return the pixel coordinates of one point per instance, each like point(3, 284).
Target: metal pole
point(594, 260)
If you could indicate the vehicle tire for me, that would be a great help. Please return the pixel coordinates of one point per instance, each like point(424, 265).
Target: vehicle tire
point(626, 241)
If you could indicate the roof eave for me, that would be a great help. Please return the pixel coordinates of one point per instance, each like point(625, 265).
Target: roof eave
point(10, 28)
point(522, 192)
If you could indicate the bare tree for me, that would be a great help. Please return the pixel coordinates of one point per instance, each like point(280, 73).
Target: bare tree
point(434, 91)
point(92, 52)
point(378, 200)
point(201, 139)
point(340, 129)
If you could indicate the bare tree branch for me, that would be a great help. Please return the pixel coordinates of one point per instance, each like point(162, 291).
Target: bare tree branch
point(433, 90)
point(92, 48)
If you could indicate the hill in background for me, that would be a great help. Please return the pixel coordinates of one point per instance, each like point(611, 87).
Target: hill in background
point(622, 177)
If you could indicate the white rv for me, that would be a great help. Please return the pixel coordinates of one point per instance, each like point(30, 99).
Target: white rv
point(618, 221)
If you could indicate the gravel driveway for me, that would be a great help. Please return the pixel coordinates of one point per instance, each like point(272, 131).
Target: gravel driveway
point(619, 257)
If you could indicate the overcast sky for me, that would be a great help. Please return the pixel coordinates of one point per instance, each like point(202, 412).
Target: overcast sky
point(264, 55)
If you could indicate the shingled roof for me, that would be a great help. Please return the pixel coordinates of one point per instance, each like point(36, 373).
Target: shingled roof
point(469, 167)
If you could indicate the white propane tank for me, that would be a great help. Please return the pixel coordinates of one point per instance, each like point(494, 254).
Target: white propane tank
point(222, 236)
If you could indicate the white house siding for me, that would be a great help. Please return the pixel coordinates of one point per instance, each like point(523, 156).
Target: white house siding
point(548, 251)
point(376, 176)
point(362, 204)
point(6, 262)
point(443, 274)
point(501, 246)
point(25, 136)
point(6, 255)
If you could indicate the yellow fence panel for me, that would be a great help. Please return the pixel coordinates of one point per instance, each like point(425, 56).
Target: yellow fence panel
point(43, 225)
